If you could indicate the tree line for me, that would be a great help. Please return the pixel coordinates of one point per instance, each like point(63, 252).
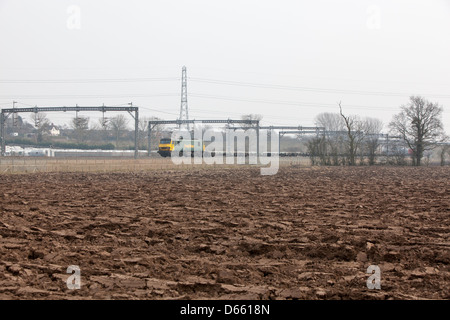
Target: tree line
point(350, 140)
point(346, 140)
point(81, 133)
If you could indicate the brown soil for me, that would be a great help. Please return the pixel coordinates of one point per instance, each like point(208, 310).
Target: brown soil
point(305, 233)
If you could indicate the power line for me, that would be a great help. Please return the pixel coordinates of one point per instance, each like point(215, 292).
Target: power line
point(88, 96)
point(217, 82)
point(227, 113)
point(298, 104)
point(311, 89)
point(156, 110)
point(62, 81)
point(289, 103)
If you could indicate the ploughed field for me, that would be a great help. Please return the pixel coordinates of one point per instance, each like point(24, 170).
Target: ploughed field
point(304, 233)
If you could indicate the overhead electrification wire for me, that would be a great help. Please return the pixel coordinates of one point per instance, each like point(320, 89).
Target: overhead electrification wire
point(218, 82)
point(278, 102)
point(24, 81)
point(311, 89)
point(156, 110)
point(89, 96)
point(297, 104)
point(226, 114)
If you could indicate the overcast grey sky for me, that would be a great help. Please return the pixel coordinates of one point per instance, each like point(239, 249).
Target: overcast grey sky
point(287, 60)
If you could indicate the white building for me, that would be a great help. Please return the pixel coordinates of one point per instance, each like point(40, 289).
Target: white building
point(54, 132)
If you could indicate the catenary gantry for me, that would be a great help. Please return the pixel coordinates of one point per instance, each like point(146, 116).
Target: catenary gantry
point(5, 113)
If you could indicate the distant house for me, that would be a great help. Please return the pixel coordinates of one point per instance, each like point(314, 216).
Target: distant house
point(54, 132)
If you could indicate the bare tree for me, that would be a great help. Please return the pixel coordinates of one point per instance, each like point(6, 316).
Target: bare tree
point(118, 126)
point(445, 149)
point(142, 131)
point(80, 125)
point(315, 147)
point(104, 125)
point(420, 126)
point(250, 117)
point(41, 123)
point(15, 121)
point(156, 133)
point(333, 125)
point(330, 121)
point(372, 128)
point(355, 134)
